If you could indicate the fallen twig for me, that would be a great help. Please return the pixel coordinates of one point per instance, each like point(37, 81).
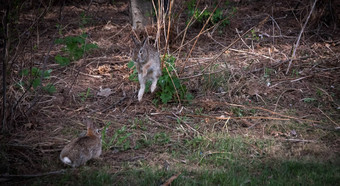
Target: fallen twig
point(245, 117)
point(301, 140)
point(231, 44)
point(170, 180)
point(199, 34)
point(263, 109)
point(186, 124)
point(299, 37)
point(158, 124)
point(62, 171)
point(4, 68)
point(328, 117)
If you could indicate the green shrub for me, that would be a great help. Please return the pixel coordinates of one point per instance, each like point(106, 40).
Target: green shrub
point(75, 48)
point(35, 75)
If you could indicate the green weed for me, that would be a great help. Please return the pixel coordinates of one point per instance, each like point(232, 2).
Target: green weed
point(169, 83)
point(35, 75)
point(308, 100)
point(237, 111)
point(139, 123)
point(268, 72)
point(84, 95)
point(218, 16)
point(215, 81)
point(84, 19)
point(277, 172)
point(161, 138)
point(75, 48)
point(120, 139)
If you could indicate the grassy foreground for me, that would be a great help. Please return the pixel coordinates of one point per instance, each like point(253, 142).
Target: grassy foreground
point(212, 160)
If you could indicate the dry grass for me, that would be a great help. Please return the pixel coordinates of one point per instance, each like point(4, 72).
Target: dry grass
point(242, 96)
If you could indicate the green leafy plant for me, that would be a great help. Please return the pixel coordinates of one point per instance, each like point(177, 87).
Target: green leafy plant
point(254, 35)
point(75, 48)
point(308, 100)
point(119, 139)
point(268, 72)
point(218, 16)
point(215, 81)
point(158, 139)
point(139, 123)
point(161, 138)
point(199, 111)
point(84, 19)
point(237, 111)
point(169, 83)
point(84, 95)
point(143, 142)
point(35, 75)
point(134, 75)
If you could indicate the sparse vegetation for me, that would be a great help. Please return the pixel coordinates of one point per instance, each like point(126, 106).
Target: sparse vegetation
point(74, 49)
point(169, 84)
point(248, 114)
point(221, 15)
point(33, 79)
point(120, 139)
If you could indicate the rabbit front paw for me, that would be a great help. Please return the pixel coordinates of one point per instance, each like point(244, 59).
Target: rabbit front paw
point(140, 94)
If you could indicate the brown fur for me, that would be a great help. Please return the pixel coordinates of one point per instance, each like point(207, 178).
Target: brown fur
point(82, 149)
point(147, 62)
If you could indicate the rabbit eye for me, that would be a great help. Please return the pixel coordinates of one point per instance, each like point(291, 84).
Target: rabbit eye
point(140, 52)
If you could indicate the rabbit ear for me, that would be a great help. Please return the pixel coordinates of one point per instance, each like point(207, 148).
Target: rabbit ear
point(145, 41)
point(134, 40)
point(89, 123)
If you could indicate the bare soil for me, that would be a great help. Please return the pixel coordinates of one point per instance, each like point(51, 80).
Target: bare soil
point(248, 84)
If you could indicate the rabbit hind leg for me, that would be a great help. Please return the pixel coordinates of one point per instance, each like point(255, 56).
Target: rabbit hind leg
point(154, 83)
point(142, 87)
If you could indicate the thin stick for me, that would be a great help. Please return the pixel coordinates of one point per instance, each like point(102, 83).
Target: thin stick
point(197, 75)
point(329, 118)
point(231, 44)
point(169, 25)
point(301, 140)
point(182, 45)
point(186, 124)
point(298, 40)
point(199, 34)
point(170, 180)
point(62, 171)
point(4, 68)
point(278, 99)
point(158, 124)
point(172, 81)
point(245, 117)
point(118, 32)
point(186, 28)
point(260, 108)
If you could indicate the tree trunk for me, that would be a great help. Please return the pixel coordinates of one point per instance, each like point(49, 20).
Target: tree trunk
point(140, 13)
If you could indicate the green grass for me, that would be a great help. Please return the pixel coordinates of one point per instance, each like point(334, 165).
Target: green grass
point(208, 159)
point(275, 172)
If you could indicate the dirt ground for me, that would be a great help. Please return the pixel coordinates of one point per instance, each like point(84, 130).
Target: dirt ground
point(246, 89)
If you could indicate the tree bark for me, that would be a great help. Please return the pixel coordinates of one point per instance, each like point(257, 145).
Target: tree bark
point(140, 13)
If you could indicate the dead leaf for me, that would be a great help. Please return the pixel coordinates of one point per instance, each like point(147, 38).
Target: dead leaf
point(104, 92)
point(28, 125)
point(104, 69)
point(278, 133)
point(170, 180)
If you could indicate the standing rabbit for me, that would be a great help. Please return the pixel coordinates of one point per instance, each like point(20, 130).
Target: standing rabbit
point(147, 62)
point(83, 148)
